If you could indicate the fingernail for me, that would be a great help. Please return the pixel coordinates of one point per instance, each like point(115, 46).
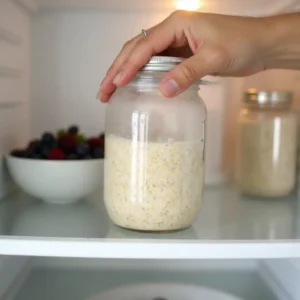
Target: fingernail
point(118, 78)
point(98, 94)
point(170, 88)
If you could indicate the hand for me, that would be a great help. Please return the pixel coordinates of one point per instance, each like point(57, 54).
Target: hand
point(213, 45)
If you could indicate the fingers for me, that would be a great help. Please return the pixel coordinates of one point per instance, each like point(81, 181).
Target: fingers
point(122, 56)
point(156, 41)
point(136, 54)
point(207, 60)
point(105, 93)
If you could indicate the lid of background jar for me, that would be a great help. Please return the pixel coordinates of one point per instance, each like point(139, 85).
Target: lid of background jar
point(163, 292)
point(268, 98)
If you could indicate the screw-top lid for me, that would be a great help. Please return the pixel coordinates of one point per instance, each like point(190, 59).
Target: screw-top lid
point(162, 63)
point(166, 64)
point(268, 98)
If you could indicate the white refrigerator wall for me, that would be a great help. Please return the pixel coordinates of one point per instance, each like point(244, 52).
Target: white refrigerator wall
point(71, 53)
point(15, 42)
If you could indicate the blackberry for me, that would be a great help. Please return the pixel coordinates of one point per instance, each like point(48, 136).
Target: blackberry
point(82, 150)
point(98, 153)
point(47, 138)
point(72, 156)
point(53, 144)
point(33, 149)
point(18, 153)
point(45, 150)
point(73, 129)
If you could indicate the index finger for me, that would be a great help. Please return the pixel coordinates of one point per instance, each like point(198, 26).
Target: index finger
point(128, 63)
point(157, 40)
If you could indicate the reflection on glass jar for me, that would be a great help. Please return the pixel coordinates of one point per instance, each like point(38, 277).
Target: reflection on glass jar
point(154, 165)
point(116, 232)
point(267, 144)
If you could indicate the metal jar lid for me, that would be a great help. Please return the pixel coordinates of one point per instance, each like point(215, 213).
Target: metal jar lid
point(166, 64)
point(162, 63)
point(268, 98)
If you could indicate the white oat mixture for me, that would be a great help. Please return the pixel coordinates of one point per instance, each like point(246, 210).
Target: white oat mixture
point(153, 186)
point(268, 155)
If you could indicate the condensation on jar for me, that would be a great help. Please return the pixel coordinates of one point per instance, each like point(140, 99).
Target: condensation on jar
point(154, 164)
point(267, 144)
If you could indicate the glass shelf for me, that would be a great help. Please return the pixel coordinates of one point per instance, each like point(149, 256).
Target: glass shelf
point(228, 226)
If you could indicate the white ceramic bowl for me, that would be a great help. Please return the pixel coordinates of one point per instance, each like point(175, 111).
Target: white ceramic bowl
point(59, 182)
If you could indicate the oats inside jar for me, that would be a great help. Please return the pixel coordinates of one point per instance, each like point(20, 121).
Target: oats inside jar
point(153, 186)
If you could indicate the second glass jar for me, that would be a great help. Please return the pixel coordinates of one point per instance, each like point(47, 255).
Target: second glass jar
point(154, 164)
point(267, 144)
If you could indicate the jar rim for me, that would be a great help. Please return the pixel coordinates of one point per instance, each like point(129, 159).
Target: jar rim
point(149, 79)
point(162, 63)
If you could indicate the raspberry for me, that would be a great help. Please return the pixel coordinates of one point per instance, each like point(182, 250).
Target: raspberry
point(96, 143)
point(56, 154)
point(67, 143)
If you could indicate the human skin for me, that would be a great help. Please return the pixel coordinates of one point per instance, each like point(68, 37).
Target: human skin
point(213, 44)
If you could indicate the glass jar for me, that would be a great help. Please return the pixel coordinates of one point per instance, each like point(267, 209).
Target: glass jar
point(154, 153)
point(267, 144)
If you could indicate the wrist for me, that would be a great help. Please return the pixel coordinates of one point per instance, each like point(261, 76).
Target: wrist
point(279, 39)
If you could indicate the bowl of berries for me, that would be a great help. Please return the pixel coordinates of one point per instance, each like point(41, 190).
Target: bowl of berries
point(59, 168)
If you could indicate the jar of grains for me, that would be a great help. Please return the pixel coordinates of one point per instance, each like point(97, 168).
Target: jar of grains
point(154, 148)
point(267, 144)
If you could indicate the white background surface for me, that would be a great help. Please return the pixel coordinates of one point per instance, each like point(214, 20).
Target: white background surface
point(15, 64)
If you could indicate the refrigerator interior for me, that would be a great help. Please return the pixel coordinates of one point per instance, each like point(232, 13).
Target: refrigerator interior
point(44, 278)
point(53, 55)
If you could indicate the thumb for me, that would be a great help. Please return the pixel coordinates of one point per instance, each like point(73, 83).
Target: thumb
point(206, 61)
